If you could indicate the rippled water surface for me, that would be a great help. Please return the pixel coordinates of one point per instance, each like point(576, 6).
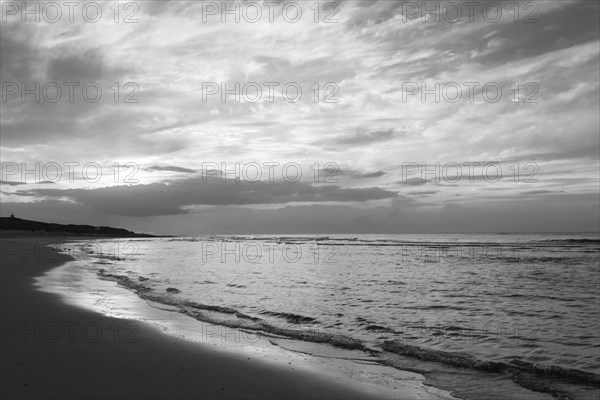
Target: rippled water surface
point(495, 297)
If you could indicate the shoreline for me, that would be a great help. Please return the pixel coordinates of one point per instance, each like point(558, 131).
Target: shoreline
point(53, 349)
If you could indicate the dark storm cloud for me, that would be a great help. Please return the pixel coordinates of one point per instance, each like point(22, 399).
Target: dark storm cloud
point(19, 58)
point(366, 175)
point(413, 182)
point(8, 183)
point(450, 46)
point(170, 168)
point(77, 67)
point(357, 174)
point(585, 152)
point(26, 61)
point(540, 192)
point(363, 138)
point(168, 198)
point(13, 183)
point(561, 27)
point(424, 193)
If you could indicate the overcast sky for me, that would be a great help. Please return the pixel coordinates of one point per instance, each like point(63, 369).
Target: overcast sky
point(529, 155)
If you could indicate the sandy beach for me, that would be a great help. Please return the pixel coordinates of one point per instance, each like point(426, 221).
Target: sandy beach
point(54, 350)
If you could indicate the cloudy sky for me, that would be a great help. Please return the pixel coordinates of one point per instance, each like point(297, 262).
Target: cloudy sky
point(381, 106)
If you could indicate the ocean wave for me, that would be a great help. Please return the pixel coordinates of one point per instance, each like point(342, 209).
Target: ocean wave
point(315, 335)
point(293, 318)
point(468, 361)
point(529, 375)
point(571, 241)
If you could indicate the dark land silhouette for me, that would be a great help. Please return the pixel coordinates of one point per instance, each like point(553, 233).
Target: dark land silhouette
point(17, 225)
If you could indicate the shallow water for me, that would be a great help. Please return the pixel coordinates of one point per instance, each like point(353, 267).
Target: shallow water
point(495, 298)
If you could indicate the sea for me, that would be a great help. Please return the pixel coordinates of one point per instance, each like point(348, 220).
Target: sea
point(523, 309)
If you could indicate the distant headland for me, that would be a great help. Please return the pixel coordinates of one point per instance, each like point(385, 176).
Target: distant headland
point(13, 225)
